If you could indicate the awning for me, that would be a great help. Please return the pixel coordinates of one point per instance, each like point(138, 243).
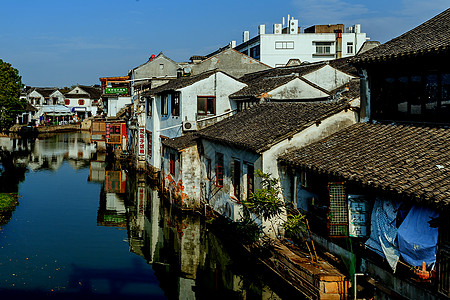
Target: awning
point(56, 110)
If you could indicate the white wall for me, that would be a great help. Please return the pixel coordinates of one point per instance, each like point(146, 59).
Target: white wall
point(218, 84)
point(304, 47)
point(297, 89)
point(328, 78)
point(115, 104)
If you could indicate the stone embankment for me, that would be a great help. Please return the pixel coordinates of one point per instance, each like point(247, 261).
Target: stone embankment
point(23, 129)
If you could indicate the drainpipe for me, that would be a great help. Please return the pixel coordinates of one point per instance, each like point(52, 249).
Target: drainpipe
point(355, 285)
point(338, 43)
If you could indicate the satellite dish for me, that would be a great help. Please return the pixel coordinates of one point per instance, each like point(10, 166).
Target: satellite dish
point(187, 70)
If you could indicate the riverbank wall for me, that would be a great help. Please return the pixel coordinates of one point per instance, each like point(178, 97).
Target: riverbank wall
point(20, 129)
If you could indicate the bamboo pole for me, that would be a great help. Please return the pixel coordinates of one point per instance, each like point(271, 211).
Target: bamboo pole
point(312, 241)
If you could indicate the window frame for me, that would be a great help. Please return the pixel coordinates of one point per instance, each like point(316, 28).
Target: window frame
point(250, 180)
point(175, 104)
point(212, 99)
point(165, 104)
point(284, 45)
point(235, 167)
point(349, 47)
point(324, 45)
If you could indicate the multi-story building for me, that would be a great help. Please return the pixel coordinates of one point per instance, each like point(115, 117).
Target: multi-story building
point(290, 44)
point(115, 94)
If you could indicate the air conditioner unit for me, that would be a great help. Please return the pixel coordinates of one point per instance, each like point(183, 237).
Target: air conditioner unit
point(189, 126)
point(293, 26)
point(277, 28)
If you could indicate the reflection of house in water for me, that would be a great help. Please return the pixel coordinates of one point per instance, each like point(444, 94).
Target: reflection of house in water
point(97, 168)
point(112, 210)
point(189, 261)
point(50, 152)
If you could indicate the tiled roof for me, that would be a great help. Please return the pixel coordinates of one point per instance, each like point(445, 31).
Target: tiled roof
point(267, 80)
point(181, 142)
point(180, 83)
point(76, 96)
point(264, 125)
point(408, 160)
point(429, 37)
point(95, 92)
point(46, 92)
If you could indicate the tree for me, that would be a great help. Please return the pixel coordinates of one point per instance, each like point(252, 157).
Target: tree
point(10, 103)
point(268, 204)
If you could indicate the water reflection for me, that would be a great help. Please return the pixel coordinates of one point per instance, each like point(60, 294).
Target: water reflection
point(188, 259)
point(108, 236)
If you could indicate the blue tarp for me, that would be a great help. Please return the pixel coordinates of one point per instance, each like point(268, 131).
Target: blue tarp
point(417, 241)
point(384, 231)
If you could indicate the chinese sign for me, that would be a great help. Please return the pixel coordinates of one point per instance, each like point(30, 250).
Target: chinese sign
point(141, 141)
point(116, 90)
point(358, 210)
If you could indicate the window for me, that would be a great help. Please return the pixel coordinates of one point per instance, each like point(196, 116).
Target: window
point(255, 52)
point(245, 52)
point(338, 210)
point(149, 106)
point(284, 45)
point(250, 180)
point(67, 102)
point(172, 163)
point(323, 48)
point(208, 168)
point(161, 66)
point(164, 105)
point(206, 105)
point(219, 169)
point(350, 47)
point(81, 102)
point(175, 105)
point(236, 177)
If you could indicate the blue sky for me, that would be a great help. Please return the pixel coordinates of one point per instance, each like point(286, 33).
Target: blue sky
point(64, 43)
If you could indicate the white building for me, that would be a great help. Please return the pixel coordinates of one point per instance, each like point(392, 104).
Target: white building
point(115, 94)
point(290, 44)
point(184, 104)
point(83, 100)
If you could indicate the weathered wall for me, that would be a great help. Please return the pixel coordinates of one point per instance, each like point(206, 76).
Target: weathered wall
point(296, 89)
point(219, 197)
point(153, 68)
point(231, 62)
point(184, 185)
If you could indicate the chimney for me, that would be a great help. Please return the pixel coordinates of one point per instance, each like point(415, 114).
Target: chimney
point(246, 36)
point(233, 44)
point(262, 29)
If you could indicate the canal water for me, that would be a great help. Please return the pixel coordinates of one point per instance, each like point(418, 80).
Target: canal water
point(86, 228)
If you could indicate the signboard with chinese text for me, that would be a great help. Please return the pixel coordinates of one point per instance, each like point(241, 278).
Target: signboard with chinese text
point(116, 91)
point(358, 215)
point(142, 141)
